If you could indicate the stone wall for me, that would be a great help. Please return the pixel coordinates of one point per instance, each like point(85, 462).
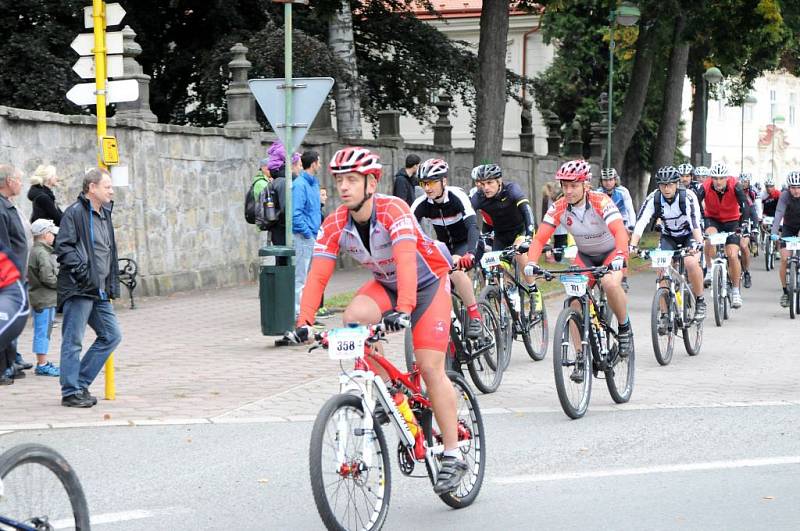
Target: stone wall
point(181, 216)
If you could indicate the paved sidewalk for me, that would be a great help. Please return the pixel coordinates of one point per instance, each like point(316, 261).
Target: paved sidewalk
point(189, 355)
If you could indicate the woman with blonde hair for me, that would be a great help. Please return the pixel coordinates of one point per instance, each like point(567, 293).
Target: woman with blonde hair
point(43, 180)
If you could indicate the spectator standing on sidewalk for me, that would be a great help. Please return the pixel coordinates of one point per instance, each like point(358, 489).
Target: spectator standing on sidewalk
point(276, 163)
point(88, 279)
point(42, 277)
point(14, 237)
point(405, 180)
point(306, 220)
point(41, 195)
point(14, 242)
point(260, 180)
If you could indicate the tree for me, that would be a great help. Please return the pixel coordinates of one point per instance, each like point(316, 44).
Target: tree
point(348, 103)
point(490, 104)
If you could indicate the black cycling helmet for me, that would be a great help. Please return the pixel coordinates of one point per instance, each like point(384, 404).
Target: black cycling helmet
point(488, 172)
point(667, 175)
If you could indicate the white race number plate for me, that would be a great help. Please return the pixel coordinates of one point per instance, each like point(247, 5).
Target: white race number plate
point(660, 259)
point(574, 285)
point(491, 259)
point(347, 343)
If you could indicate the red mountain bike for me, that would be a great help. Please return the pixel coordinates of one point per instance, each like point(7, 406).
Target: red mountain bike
point(349, 459)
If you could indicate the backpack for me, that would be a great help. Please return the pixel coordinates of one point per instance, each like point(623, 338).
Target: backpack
point(263, 212)
point(657, 203)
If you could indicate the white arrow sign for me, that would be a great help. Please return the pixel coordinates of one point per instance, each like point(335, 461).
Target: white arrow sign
point(116, 92)
point(114, 15)
point(307, 97)
point(84, 43)
point(85, 67)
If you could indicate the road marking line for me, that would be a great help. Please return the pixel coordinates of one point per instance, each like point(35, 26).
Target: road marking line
point(661, 469)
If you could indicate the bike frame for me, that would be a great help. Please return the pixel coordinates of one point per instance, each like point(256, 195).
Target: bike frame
point(677, 283)
point(721, 260)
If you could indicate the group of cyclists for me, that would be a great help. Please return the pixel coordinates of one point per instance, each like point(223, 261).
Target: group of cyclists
point(412, 272)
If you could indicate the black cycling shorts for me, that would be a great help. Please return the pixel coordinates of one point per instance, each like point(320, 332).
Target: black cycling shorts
point(727, 226)
point(671, 243)
point(786, 230)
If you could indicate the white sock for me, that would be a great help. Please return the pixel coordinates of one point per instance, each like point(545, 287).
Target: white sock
point(455, 452)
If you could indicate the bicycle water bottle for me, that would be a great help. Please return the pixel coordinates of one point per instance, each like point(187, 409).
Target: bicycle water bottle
point(401, 401)
point(513, 294)
point(679, 298)
point(537, 297)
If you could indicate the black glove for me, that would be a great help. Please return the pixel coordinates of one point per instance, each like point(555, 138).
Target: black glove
point(299, 336)
point(395, 321)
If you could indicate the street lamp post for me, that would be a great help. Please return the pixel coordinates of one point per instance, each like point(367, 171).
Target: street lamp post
point(711, 76)
point(626, 15)
point(749, 100)
point(778, 119)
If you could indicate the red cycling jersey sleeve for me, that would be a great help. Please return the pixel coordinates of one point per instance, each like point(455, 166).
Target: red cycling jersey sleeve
point(318, 277)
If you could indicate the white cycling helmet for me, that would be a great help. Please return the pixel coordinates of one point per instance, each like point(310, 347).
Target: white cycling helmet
point(769, 181)
point(433, 170)
point(745, 177)
point(719, 169)
point(685, 169)
point(702, 171)
point(793, 179)
point(607, 174)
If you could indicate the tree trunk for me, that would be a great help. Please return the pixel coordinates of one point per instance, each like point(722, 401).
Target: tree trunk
point(664, 152)
point(490, 101)
point(698, 117)
point(636, 94)
point(345, 92)
point(635, 177)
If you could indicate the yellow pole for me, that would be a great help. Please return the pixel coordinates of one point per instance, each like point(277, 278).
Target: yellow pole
point(99, 16)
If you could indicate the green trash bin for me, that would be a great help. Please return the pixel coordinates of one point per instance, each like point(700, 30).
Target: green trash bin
point(276, 289)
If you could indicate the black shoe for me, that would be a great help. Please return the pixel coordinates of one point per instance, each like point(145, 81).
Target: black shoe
point(76, 400)
point(86, 394)
point(577, 375)
point(747, 280)
point(21, 363)
point(18, 374)
point(7, 377)
point(625, 339)
point(451, 472)
point(474, 328)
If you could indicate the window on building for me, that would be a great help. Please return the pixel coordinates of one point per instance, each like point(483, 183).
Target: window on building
point(773, 103)
point(792, 98)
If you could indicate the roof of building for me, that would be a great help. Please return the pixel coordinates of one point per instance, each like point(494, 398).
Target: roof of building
point(457, 9)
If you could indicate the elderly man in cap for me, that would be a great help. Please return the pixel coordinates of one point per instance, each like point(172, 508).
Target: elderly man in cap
point(42, 278)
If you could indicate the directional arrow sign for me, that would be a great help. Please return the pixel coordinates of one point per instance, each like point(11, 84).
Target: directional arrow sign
point(307, 97)
point(114, 15)
point(117, 91)
point(84, 43)
point(85, 67)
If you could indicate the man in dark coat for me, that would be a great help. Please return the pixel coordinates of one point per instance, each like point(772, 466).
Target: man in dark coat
point(406, 179)
point(88, 279)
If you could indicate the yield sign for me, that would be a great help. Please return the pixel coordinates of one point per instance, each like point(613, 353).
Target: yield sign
point(307, 97)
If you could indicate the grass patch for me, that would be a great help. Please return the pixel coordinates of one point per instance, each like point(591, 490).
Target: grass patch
point(339, 301)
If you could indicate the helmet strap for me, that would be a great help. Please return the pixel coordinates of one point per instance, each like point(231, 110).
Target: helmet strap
point(367, 197)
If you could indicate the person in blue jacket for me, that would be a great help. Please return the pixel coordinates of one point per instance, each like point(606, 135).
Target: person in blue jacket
point(306, 220)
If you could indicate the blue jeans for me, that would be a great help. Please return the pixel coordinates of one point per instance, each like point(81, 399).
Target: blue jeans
point(303, 249)
point(78, 373)
point(42, 327)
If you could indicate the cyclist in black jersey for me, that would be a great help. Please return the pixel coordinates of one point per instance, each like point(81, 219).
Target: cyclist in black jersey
point(453, 218)
point(506, 209)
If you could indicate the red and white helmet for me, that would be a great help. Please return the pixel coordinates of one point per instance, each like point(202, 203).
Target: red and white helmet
point(574, 170)
point(433, 170)
point(356, 159)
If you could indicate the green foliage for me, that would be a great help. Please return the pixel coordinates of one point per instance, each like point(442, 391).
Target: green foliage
point(35, 56)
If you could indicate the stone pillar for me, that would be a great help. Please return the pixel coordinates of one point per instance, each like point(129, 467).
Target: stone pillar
point(322, 124)
point(575, 148)
point(443, 129)
point(241, 103)
point(389, 125)
point(596, 144)
point(139, 109)
point(553, 134)
point(526, 140)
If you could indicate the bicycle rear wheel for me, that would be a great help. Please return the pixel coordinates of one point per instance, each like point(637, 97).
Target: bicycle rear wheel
point(693, 329)
point(492, 296)
point(485, 369)
point(350, 474)
point(41, 489)
point(662, 326)
point(572, 364)
point(535, 330)
point(716, 290)
point(471, 442)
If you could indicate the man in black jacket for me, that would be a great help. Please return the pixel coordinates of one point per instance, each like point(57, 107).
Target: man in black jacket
point(406, 179)
point(88, 279)
point(14, 238)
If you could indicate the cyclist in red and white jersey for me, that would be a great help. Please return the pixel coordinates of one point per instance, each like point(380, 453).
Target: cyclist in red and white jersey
point(410, 283)
point(599, 233)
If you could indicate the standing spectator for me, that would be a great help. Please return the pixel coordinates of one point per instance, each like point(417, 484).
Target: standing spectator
point(405, 180)
point(42, 276)
point(13, 236)
point(41, 195)
point(306, 220)
point(551, 192)
point(260, 180)
point(87, 279)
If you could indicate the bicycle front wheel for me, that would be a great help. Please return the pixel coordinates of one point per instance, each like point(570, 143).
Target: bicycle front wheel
point(662, 326)
point(716, 290)
point(534, 328)
point(485, 368)
point(349, 467)
point(572, 364)
point(792, 287)
point(693, 331)
point(41, 489)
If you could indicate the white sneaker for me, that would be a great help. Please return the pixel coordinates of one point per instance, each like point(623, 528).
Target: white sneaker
point(736, 299)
